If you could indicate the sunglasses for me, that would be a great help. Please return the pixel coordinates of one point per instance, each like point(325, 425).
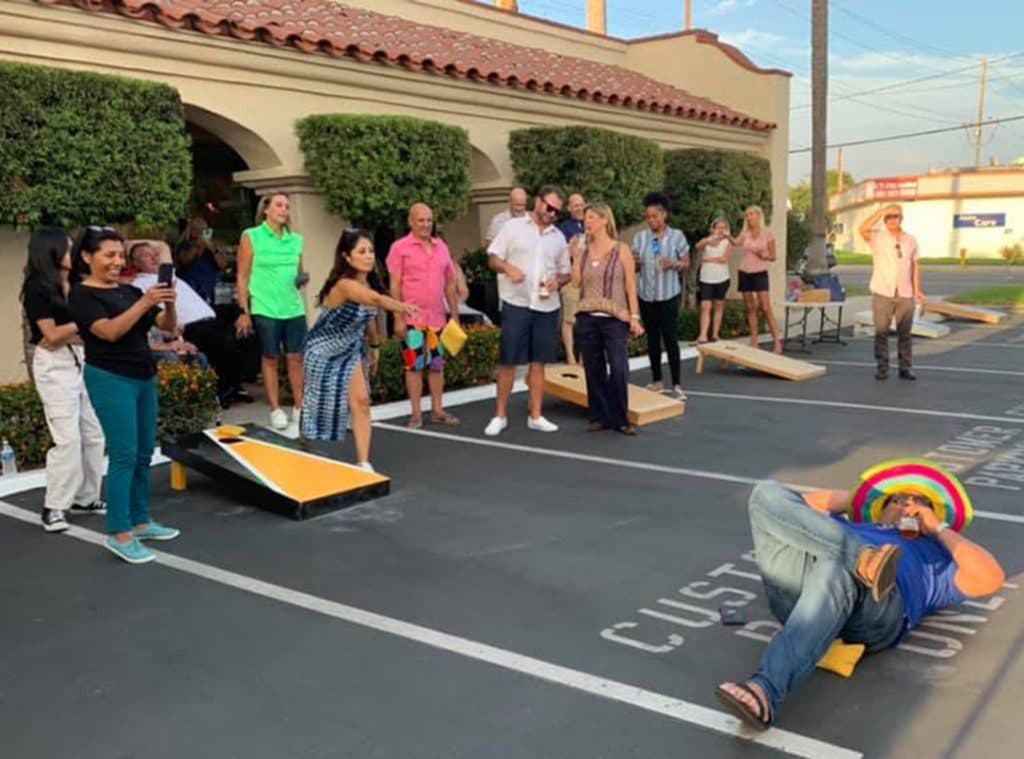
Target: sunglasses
point(656, 246)
point(899, 251)
point(893, 216)
point(904, 499)
point(551, 209)
point(94, 228)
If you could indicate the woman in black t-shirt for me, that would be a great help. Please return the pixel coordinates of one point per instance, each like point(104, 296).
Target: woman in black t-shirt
point(74, 465)
point(114, 320)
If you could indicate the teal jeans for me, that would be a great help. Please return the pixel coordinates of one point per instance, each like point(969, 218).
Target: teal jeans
point(126, 408)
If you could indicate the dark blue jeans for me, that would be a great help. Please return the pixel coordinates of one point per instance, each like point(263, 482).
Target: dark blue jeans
point(808, 562)
point(603, 345)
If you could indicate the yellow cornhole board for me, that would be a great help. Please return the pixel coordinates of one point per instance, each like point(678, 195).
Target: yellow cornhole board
point(760, 360)
point(569, 383)
point(271, 471)
point(961, 311)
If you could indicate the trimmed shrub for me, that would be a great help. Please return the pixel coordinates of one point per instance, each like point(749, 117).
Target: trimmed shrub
point(798, 236)
point(602, 165)
point(187, 398)
point(370, 169)
point(702, 184)
point(79, 148)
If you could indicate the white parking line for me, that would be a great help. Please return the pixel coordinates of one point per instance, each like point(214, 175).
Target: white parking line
point(658, 703)
point(642, 465)
point(859, 406)
point(923, 367)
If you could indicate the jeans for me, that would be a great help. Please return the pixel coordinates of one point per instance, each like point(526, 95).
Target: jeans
point(603, 345)
point(808, 562)
point(126, 407)
point(884, 310)
point(661, 323)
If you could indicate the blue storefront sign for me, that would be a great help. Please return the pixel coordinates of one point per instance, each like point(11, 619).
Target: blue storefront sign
point(978, 220)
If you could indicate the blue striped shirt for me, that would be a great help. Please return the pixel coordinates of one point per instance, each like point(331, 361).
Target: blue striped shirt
point(653, 282)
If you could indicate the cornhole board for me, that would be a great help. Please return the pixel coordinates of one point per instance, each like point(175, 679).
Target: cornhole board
point(749, 357)
point(864, 324)
point(261, 468)
point(569, 383)
point(961, 311)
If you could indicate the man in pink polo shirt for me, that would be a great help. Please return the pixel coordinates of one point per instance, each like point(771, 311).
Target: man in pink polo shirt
point(895, 286)
point(422, 273)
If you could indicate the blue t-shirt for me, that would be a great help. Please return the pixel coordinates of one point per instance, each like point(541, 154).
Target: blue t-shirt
point(570, 228)
point(926, 571)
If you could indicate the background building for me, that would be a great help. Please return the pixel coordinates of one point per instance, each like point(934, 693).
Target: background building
point(247, 71)
point(980, 211)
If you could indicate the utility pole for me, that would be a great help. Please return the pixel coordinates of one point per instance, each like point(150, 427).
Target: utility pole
point(839, 177)
point(981, 113)
point(688, 16)
point(816, 261)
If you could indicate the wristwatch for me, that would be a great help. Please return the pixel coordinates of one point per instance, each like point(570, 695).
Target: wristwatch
point(942, 526)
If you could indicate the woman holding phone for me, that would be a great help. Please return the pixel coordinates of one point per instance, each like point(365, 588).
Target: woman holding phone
point(114, 320)
point(269, 278)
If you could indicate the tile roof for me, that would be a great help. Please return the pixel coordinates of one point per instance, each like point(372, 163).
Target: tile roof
point(325, 26)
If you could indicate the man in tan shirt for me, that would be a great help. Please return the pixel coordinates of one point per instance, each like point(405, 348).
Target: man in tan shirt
point(895, 286)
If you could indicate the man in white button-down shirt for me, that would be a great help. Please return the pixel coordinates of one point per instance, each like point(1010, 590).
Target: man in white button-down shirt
point(895, 286)
point(531, 258)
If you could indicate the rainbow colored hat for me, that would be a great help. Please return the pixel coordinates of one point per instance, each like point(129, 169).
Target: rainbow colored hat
point(952, 504)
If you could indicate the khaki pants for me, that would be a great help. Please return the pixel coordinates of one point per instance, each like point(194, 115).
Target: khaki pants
point(74, 466)
point(884, 310)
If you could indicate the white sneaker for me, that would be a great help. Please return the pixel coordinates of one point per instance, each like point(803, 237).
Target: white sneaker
point(366, 466)
point(278, 419)
point(540, 424)
point(496, 426)
point(296, 414)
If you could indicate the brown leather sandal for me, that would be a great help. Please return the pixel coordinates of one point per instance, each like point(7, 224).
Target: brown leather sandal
point(762, 719)
point(876, 569)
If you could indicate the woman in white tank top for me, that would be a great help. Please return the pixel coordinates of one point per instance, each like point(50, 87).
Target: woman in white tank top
point(714, 253)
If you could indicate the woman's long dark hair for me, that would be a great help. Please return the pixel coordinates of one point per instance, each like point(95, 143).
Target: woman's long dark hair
point(89, 241)
point(46, 249)
point(342, 268)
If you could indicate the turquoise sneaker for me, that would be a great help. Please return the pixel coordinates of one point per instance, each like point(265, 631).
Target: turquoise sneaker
point(155, 531)
point(133, 551)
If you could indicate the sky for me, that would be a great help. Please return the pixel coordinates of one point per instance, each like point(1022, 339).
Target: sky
point(873, 44)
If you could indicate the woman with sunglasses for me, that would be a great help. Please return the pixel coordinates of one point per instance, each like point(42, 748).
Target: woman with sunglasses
point(114, 320)
point(74, 465)
point(895, 287)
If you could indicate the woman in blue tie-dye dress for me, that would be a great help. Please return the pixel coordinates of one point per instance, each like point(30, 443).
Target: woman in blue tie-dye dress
point(336, 360)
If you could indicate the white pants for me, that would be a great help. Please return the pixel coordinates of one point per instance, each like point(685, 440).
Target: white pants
point(74, 466)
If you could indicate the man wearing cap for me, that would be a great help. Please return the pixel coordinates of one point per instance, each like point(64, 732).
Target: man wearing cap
point(895, 286)
point(865, 567)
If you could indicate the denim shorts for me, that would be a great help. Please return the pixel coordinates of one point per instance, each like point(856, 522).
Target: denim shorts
point(528, 336)
point(273, 333)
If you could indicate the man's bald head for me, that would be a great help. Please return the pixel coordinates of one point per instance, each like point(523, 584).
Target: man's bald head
point(576, 205)
point(517, 201)
point(421, 221)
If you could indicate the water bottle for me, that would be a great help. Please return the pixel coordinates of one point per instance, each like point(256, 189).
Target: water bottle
point(10, 464)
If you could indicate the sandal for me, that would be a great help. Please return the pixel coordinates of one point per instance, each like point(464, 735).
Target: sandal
point(415, 422)
point(447, 419)
point(762, 719)
point(628, 429)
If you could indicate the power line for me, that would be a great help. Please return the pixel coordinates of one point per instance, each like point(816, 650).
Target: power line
point(894, 34)
point(908, 135)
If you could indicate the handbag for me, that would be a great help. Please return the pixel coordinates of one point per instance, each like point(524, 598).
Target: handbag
point(453, 337)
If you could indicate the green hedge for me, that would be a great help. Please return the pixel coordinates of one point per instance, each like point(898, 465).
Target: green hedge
point(187, 403)
point(79, 148)
point(370, 169)
point(616, 168)
point(702, 184)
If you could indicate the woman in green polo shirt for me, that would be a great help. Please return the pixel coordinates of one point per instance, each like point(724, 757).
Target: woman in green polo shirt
point(269, 281)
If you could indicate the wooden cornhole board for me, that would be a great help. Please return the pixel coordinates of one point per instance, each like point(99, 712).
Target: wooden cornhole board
point(261, 468)
point(961, 311)
point(569, 383)
point(864, 324)
point(748, 356)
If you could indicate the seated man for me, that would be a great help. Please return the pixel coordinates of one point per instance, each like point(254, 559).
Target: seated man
point(199, 322)
point(866, 579)
point(175, 349)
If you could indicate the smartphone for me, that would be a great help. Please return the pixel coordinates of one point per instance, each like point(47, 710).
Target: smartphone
point(732, 615)
point(165, 275)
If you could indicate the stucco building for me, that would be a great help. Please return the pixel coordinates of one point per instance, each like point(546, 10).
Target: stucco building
point(246, 71)
point(980, 211)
